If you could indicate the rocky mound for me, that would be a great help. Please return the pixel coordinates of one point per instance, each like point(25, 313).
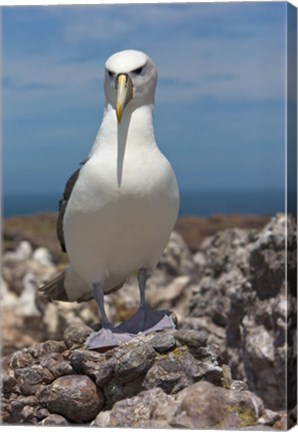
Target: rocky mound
point(224, 367)
point(168, 379)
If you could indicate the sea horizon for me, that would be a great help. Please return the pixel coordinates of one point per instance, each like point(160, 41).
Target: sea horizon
point(192, 203)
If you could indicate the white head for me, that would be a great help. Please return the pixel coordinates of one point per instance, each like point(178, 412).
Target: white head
point(130, 81)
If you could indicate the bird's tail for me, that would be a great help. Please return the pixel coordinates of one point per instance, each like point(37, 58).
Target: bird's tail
point(67, 286)
point(54, 289)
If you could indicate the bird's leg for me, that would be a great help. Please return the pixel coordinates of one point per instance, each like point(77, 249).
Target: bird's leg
point(146, 320)
point(142, 278)
point(108, 335)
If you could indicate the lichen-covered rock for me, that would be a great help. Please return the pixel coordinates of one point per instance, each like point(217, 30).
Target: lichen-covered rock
point(75, 397)
point(151, 408)
point(133, 362)
point(204, 405)
point(173, 372)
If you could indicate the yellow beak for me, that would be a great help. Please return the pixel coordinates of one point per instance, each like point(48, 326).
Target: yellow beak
point(123, 94)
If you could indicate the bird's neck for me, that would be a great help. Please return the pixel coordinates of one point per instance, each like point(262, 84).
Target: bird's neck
point(135, 132)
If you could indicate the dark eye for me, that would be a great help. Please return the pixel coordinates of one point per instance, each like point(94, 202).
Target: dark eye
point(138, 71)
point(111, 74)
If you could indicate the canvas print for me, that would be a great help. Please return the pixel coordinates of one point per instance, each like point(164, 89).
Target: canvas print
point(149, 205)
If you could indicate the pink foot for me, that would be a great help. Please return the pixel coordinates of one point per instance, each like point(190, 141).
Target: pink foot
point(106, 338)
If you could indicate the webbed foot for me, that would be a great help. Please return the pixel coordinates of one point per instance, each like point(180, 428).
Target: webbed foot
point(147, 321)
point(106, 338)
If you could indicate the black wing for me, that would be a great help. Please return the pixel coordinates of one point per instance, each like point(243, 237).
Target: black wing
point(63, 203)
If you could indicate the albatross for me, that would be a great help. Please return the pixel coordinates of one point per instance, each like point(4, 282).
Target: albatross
point(119, 208)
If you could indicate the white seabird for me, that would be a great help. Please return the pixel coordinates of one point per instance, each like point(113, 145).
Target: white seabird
point(120, 207)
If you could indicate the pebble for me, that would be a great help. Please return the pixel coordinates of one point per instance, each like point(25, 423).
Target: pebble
point(54, 420)
point(163, 342)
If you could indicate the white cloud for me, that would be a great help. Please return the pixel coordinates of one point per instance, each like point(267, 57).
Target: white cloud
point(185, 54)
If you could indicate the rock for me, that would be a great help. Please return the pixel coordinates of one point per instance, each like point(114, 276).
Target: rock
point(240, 300)
point(173, 372)
point(176, 258)
point(192, 338)
point(269, 418)
point(174, 295)
point(207, 406)
point(54, 420)
point(238, 385)
point(202, 405)
point(75, 397)
point(55, 364)
point(22, 253)
point(163, 342)
point(29, 378)
point(28, 296)
point(43, 256)
point(96, 365)
point(152, 408)
point(76, 333)
point(20, 409)
point(133, 362)
point(115, 390)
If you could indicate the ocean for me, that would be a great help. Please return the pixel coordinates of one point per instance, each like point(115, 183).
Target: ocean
point(192, 203)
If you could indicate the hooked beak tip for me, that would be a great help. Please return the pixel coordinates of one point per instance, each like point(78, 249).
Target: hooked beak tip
point(123, 95)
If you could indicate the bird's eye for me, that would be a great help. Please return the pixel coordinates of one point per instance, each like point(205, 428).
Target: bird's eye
point(111, 74)
point(138, 71)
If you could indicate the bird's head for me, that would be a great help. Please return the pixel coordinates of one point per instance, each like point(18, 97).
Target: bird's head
point(130, 81)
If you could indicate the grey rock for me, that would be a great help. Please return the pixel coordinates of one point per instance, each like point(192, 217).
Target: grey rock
point(207, 406)
point(76, 333)
point(20, 409)
point(240, 300)
point(29, 378)
point(54, 420)
point(21, 359)
point(152, 408)
point(42, 413)
point(192, 338)
point(269, 417)
point(115, 390)
point(163, 342)
point(56, 366)
point(45, 348)
point(133, 362)
point(95, 365)
point(177, 259)
point(173, 372)
point(75, 397)
point(8, 381)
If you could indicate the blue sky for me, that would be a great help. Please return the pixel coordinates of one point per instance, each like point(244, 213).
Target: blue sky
point(220, 102)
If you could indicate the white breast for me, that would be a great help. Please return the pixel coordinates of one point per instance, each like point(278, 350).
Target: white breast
point(112, 229)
